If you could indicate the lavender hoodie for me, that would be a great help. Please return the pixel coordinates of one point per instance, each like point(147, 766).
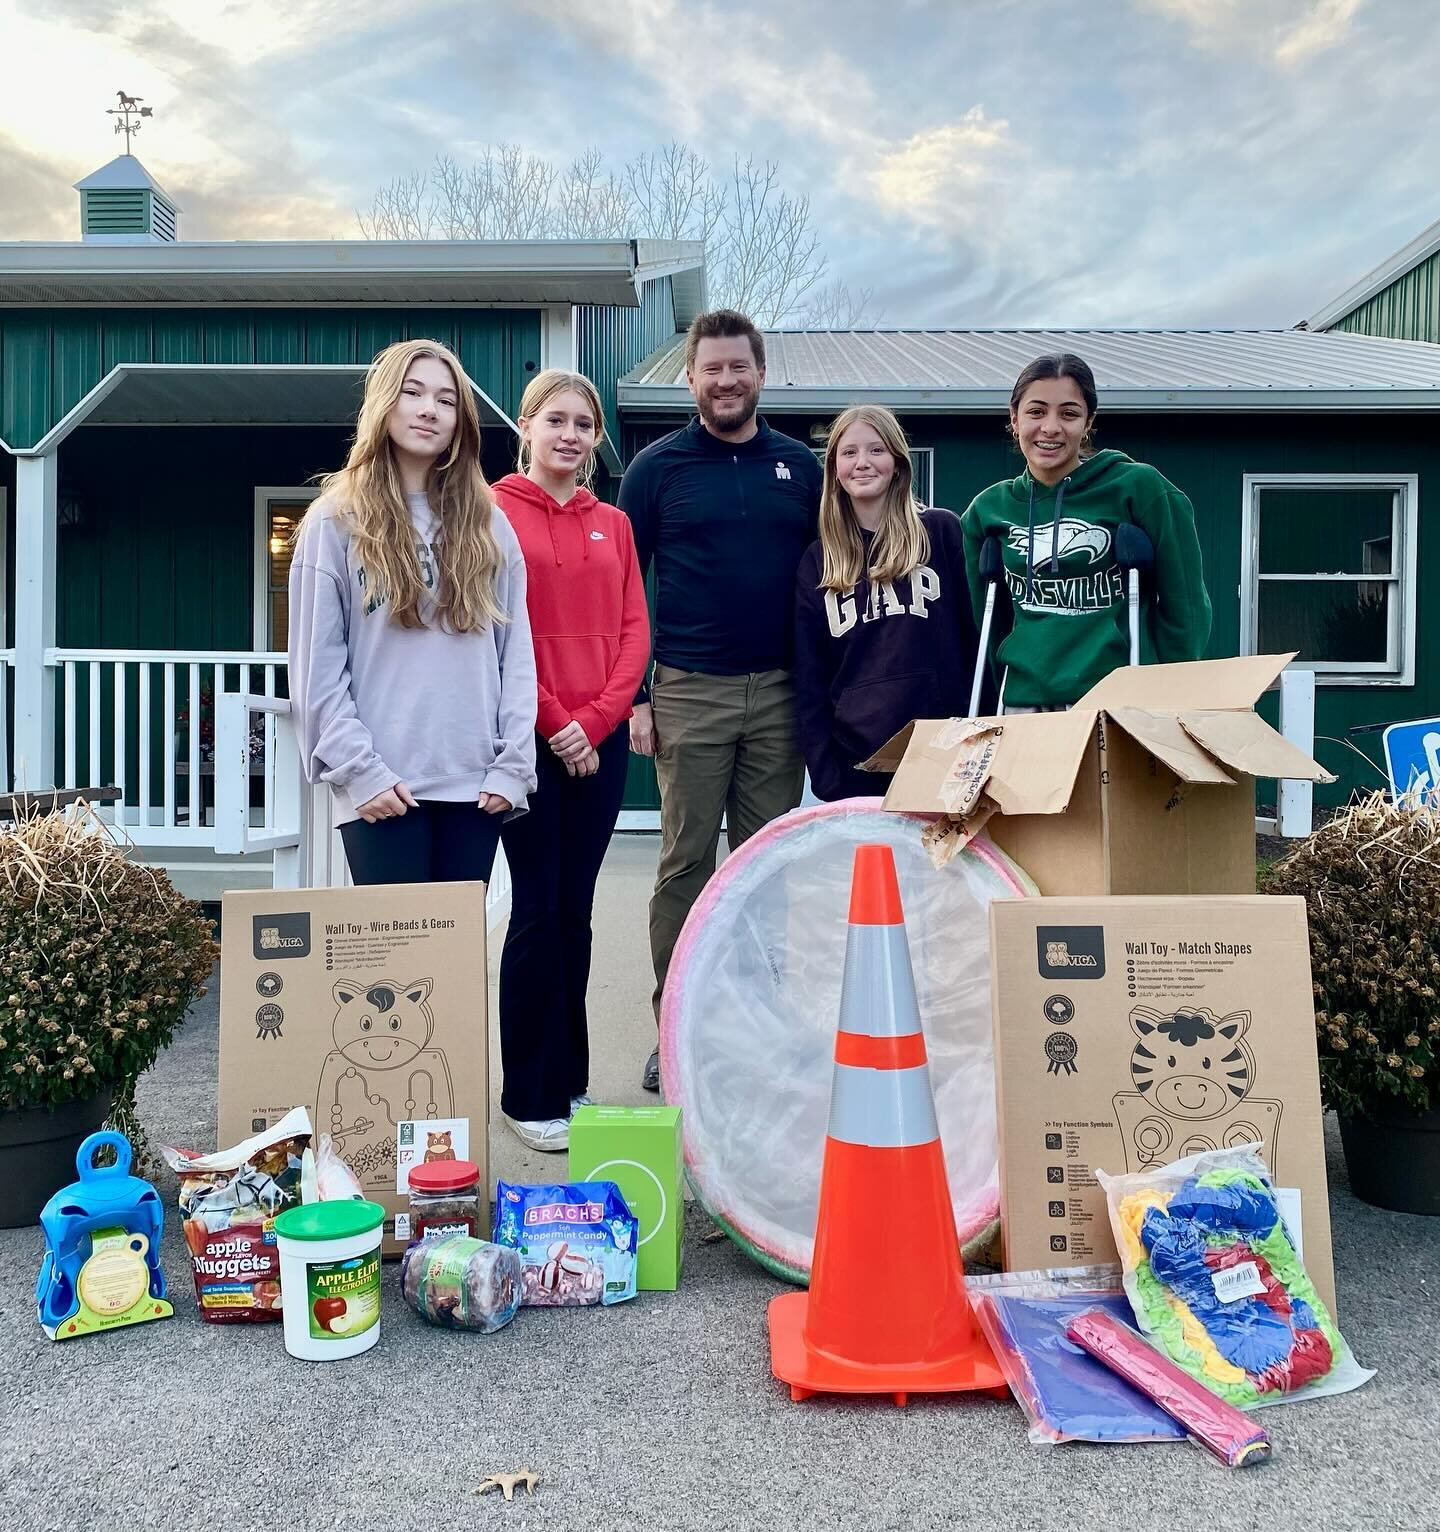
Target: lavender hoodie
point(452, 715)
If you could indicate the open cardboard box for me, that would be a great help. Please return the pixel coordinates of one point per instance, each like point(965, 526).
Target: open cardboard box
point(1146, 786)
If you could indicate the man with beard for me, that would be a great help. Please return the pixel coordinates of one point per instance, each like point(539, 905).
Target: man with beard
point(724, 508)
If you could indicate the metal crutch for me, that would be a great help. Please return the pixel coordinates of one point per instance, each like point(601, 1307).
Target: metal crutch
point(992, 571)
point(1134, 553)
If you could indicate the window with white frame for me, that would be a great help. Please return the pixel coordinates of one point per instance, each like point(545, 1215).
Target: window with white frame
point(1328, 569)
point(277, 513)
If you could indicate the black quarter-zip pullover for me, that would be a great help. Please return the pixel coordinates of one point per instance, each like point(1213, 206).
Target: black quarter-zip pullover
point(725, 524)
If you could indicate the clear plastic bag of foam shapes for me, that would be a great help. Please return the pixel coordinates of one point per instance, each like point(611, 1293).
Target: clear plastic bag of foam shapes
point(577, 1242)
point(1217, 1283)
point(1066, 1395)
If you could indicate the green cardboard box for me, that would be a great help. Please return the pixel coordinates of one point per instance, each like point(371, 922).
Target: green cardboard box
point(638, 1148)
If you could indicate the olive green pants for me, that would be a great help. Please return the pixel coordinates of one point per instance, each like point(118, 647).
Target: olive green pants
point(726, 748)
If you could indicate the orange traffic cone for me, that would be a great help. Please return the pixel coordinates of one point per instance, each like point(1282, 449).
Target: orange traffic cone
point(887, 1311)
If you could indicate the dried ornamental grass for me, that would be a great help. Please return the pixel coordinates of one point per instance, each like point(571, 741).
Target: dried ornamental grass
point(1371, 882)
point(100, 958)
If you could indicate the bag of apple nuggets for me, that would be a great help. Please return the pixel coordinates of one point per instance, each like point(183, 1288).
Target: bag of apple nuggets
point(577, 1242)
point(228, 1201)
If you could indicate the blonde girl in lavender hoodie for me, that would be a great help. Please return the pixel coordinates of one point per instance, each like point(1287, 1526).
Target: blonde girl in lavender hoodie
point(412, 677)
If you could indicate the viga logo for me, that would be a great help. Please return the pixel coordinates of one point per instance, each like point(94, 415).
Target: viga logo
point(281, 936)
point(1071, 952)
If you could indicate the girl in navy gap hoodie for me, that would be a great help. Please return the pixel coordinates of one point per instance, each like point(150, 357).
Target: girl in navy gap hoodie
point(883, 628)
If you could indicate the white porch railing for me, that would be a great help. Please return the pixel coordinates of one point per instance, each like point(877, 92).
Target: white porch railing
point(294, 823)
point(145, 721)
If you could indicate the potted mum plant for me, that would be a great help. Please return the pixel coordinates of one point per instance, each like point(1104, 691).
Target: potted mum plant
point(100, 958)
point(1371, 882)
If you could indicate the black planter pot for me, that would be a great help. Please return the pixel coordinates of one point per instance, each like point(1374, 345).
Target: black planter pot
point(1394, 1159)
point(37, 1154)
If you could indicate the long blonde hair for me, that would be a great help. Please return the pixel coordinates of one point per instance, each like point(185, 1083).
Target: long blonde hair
point(369, 494)
point(544, 387)
point(901, 541)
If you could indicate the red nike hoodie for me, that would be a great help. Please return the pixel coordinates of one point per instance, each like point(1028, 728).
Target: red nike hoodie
point(587, 606)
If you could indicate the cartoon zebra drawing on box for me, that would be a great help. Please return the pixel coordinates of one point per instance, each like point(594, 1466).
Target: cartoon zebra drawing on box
point(1193, 1074)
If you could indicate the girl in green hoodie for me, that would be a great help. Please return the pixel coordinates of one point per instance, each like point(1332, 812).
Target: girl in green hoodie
point(1056, 524)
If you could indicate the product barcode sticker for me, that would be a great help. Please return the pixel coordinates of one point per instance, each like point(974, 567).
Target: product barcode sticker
point(1237, 1282)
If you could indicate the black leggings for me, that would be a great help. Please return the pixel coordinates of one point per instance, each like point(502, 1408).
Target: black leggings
point(554, 852)
point(432, 843)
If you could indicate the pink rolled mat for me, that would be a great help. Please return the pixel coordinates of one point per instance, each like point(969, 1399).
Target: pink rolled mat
point(1218, 1426)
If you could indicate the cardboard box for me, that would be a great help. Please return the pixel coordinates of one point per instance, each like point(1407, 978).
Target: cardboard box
point(639, 1149)
point(1094, 1073)
point(1146, 786)
point(368, 1006)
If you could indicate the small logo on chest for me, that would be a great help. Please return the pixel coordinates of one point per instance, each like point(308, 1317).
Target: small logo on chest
point(597, 537)
point(781, 471)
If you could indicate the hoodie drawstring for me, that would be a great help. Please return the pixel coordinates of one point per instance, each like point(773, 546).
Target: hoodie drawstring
point(1054, 538)
point(1030, 549)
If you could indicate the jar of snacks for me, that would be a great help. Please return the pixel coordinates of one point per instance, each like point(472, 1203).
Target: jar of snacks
point(445, 1199)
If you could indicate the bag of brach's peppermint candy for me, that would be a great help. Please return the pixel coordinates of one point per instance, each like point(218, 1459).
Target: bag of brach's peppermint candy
point(577, 1242)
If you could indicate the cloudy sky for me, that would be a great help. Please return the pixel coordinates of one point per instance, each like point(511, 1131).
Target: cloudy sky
point(975, 162)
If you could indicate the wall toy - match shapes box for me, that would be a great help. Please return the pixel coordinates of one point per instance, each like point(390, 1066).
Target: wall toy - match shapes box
point(1131, 1032)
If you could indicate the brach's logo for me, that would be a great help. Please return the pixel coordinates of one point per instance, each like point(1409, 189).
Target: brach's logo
point(1071, 952)
point(281, 936)
point(566, 1212)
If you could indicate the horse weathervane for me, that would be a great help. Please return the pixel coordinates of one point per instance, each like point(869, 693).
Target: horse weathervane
point(128, 110)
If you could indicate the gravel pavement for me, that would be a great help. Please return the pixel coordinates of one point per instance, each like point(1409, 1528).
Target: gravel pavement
point(660, 1413)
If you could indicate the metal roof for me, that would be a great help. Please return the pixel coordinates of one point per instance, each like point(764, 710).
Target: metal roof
point(1421, 248)
point(197, 393)
point(123, 173)
point(341, 271)
point(974, 370)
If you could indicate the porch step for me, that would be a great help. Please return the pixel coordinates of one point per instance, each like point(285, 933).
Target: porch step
point(202, 874)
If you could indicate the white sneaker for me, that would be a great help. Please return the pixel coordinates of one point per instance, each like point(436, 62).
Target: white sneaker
point(550, 1137)
point(583, 1099)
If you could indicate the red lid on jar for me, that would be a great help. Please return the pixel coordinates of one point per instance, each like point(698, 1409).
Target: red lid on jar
point(444, 1176)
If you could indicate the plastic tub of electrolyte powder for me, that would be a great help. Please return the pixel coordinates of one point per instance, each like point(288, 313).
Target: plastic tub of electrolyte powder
point(330, 1278)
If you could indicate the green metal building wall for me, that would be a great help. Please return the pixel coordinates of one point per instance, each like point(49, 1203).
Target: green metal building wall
point(51, 358)
point(610, 341)
point(1207, 456)
point(1408, 309)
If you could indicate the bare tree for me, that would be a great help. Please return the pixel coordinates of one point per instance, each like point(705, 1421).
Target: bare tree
point(767, 256)
point(402, 209)
point(837, 306)
point(674, 194)
point(762, 252)
point(590, 203)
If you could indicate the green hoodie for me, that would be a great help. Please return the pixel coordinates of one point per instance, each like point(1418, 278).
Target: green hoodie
point(1067, 593)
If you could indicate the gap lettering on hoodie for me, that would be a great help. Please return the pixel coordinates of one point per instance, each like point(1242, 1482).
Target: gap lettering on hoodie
point(842, 612)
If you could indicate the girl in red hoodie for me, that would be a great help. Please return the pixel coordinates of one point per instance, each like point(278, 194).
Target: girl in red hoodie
point(592, 641)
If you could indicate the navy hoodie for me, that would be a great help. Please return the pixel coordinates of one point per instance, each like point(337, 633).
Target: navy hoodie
point(725, 523)
point(870, 661)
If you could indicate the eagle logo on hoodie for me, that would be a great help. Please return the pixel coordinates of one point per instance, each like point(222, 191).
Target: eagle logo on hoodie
point(1056, 540)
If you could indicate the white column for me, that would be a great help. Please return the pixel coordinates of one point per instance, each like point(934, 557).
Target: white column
point(1294, 804)
point(557, 337)
point(35, 557)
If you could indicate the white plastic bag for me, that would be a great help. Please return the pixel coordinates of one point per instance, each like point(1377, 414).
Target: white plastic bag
point(1217, 1284)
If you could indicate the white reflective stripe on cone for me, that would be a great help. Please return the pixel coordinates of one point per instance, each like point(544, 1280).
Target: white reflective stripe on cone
point(883, 1108)
point(877, 995)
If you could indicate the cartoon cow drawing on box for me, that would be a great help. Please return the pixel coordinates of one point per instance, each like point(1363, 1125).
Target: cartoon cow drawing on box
point(1193, 1072)
point(382, 1071)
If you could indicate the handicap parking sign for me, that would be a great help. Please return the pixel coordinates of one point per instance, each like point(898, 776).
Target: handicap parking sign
point(1412, 758)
